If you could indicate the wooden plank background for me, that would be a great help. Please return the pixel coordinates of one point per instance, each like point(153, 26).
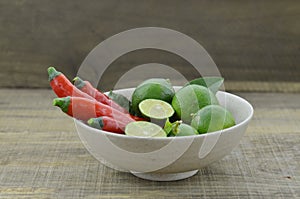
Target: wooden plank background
point(249, 40)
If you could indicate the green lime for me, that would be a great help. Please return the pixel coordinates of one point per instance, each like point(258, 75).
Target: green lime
point(213, 83)
point(156, 109)
point(178, 128)
point(186, 130)
point(144, 129)
point(189, 99)
point(155, 88)
point(212, 118)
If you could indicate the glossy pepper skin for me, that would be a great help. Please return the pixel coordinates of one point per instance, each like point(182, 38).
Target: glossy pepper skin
point(87, 87)
point(62, 87)
point(84, 109)
point(107, 124)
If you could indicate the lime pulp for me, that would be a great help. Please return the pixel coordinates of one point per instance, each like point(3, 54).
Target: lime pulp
point(156, 109)
point(144, 129)
point(154, 88)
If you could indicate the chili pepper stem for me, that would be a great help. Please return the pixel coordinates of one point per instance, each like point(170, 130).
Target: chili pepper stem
point(96, 123)
point(79, 83)
point(52, 73)
point(63, 103)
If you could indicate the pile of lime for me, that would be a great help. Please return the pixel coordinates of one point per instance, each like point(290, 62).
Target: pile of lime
point(193, 109)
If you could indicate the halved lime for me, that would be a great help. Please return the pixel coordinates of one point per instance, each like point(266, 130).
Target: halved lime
point(154, 88)
point(156, 109)
point(144, 129)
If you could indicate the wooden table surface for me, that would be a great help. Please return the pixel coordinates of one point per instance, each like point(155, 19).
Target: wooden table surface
point(41, 155)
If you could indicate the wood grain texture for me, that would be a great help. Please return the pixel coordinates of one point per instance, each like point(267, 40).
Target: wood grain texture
point(41, 156)
point(249, 41)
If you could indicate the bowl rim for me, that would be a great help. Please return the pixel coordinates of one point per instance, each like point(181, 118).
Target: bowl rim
point(123, 136)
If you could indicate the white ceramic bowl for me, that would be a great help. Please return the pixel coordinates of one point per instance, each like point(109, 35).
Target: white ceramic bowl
point(170, 158)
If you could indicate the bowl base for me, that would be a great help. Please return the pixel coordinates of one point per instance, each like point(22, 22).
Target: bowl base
point(164, 176)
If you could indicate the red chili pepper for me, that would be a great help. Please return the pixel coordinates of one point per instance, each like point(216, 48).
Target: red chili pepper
point(62, 86)
point(136, 118)
point(84, 109)
point(88, 88)
point(107, 124)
